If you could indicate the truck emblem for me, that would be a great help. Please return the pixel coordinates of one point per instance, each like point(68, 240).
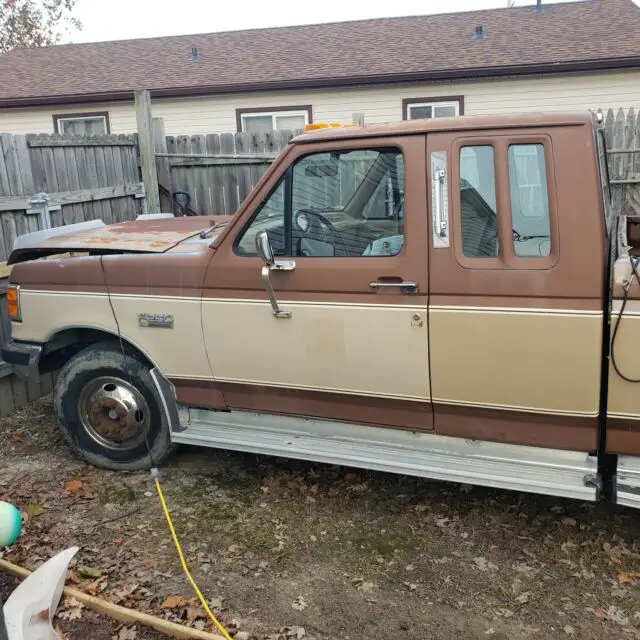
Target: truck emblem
point(156, 320)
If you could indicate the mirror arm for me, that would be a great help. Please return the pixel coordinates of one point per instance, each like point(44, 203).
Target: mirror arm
point(277, 312)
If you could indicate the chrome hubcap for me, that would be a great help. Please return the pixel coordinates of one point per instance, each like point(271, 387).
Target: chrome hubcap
point(114, 413)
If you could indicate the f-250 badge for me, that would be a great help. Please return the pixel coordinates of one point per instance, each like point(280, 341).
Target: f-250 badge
point(156, 320)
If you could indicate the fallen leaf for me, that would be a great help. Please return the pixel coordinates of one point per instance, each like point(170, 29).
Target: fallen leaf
point(314, 490)
point(128, 633)
point(118, 541)
point(87, 572)
point(194, 612)
point(34, 509)
point(73, 486)
point(333, 492)
point(628, 578)
point(72, 609)
point(299, 604)
point(173, 602)
point(16, 437)
point(483, 564)
point(569, 522)
point(569, 630)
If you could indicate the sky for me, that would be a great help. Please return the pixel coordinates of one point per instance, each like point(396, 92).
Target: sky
point(123, 19)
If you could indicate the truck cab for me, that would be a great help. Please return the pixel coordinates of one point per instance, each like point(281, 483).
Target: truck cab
point(434, 298)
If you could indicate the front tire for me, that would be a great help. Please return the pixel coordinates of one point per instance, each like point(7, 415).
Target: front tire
point(110, 411)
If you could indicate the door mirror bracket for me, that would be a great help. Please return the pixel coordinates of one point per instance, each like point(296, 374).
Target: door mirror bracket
point(265, 252)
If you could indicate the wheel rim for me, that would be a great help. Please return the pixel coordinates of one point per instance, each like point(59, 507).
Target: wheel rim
point(114, 413)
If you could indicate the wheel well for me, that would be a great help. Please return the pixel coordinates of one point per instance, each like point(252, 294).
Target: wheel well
point(63, 345)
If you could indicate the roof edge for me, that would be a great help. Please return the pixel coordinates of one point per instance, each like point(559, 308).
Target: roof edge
point(474, 73)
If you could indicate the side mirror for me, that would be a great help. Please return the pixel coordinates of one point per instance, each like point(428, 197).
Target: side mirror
point(264, 249)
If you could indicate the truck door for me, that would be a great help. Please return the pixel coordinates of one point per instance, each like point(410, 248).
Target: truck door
point(516, 263)
point(347, 223)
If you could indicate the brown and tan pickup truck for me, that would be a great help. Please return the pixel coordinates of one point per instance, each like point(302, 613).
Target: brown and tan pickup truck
point(447, 298)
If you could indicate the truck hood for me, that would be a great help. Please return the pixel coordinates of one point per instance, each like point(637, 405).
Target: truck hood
point(144, 235)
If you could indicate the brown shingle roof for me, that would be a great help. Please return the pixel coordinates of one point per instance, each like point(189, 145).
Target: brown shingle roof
point(593, 34)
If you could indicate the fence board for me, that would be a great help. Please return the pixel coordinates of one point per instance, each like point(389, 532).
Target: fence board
point(200, 191)
point(257, 146)
point(215, 200)
point(243, 173)
point(229, 177)
point(55, 140)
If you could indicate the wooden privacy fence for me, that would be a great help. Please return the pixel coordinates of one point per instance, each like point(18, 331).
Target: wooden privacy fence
point(216, 171)
point(57, 180)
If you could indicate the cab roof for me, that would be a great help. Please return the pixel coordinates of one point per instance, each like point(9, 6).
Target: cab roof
point(457, 123)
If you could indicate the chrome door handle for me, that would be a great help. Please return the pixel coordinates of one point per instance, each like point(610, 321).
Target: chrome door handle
point(407, 286)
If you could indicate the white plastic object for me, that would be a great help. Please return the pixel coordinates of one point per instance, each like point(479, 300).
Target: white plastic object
point(29, 610)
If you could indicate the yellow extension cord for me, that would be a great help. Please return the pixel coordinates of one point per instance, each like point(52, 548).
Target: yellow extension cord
point(183, 562)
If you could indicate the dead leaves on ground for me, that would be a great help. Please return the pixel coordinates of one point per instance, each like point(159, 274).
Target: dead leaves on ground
point(73, 486)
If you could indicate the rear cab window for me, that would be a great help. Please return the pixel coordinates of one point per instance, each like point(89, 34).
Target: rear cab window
point(504, 211)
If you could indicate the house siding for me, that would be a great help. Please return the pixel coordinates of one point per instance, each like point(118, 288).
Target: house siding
point(217, 114)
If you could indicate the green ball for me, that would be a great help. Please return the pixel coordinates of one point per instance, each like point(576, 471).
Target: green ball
point(10, 524)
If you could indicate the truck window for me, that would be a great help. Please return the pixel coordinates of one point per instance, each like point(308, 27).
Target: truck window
point(529, 201)
point(478, 202)
point(342, 203)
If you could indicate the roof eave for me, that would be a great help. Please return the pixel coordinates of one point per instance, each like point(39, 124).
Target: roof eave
point(476, 73)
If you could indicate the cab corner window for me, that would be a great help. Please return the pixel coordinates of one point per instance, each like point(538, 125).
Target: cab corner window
point(479, 226)
point(529, 201)
point(340, 203)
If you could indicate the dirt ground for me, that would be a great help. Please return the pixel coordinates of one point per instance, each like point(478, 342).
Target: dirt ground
point(287, 549)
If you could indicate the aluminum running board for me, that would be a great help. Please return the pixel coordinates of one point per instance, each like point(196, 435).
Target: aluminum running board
point(628, 481)
point(547, 471)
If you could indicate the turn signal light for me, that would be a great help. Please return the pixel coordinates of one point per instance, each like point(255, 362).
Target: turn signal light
point(13, 302)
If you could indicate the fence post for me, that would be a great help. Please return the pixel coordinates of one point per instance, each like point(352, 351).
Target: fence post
point(147, 151)
point(162, 163)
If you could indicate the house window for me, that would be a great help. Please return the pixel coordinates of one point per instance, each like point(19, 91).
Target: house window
point(82, 124)
point(273, 118)
point(445, 107)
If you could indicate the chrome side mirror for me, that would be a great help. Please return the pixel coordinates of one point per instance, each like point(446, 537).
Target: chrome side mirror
point(264, 249)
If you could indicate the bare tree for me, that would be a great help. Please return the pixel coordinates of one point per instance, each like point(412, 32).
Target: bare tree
point(34, 23)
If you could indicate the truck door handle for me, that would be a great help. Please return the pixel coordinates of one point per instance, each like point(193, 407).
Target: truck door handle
point(407, 286)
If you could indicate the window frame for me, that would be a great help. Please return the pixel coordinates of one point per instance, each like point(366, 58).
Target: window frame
point(295, 110)
point(457, 101)
point(58, 117)
point(506, 258)
point(286, 177)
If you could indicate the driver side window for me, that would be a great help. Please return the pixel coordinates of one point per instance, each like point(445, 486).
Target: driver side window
point(344, 203)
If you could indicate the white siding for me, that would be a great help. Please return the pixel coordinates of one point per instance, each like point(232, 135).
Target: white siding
point(379, 104)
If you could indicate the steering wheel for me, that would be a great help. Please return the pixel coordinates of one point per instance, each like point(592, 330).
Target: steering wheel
point(315, 222)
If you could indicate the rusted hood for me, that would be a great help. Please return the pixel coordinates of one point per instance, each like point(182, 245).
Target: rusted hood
point(138, 236)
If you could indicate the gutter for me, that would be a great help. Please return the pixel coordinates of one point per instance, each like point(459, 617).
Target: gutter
point(474, 73)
